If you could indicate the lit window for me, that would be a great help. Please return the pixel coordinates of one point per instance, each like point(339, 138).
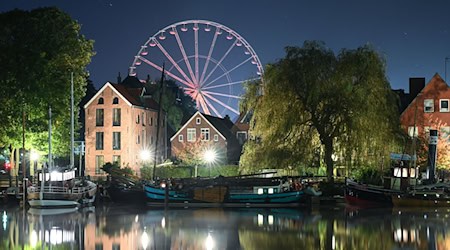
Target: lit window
point(116, 160)
point(99, 140)
point(99, 117)
point(270, 190)
point(428, 105)
point(99, 162)
point(191, 134)
point(116, 117)
point(180, 138)
point(198, 121)
point(413, 131)
point(443, 105)
point(260, 191)
point(116, 140)
point(216, 137)
point(205, 134)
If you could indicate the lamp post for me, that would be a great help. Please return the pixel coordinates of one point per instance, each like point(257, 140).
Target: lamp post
point(209, 156)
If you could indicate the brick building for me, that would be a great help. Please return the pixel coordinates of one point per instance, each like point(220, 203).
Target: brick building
point(219, 133)
point(429, 109)
point(121, 123)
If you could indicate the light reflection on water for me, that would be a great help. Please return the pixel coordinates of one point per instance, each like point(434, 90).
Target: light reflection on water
point(121, 227)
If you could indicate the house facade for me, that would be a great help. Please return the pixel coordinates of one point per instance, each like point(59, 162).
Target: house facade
point(428, 110)
point(211, 132)
point(121, 127)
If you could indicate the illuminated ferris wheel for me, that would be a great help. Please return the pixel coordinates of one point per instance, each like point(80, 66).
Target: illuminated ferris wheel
point(208, 60)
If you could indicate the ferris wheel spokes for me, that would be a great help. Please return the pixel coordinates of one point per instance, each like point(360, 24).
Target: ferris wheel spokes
point(186, 60)
point(196, 51)
point(220, 94)
point(227, 72)
point(228, 84)
point(212, 107)
point(221, 103)
point(208, 58)
point(168, 56)
point(154, 65)
point(219, 62)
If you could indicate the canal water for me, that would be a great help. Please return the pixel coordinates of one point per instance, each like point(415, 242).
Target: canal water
point(113, 227)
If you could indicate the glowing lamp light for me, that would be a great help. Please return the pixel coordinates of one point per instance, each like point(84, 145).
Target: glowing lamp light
point(209, 156)
point(34, 156)
point(145, 155)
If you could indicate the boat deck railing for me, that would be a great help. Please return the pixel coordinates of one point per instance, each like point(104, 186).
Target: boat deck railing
point(59, 189)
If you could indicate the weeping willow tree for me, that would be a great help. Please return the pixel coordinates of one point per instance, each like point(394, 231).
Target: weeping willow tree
point(312, 99)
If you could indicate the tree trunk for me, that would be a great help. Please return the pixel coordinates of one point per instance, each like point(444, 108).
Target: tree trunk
point(328, 143)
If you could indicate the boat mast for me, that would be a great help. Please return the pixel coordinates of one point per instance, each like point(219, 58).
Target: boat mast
point(158, 121)
point(72, 156)
point(49, 165)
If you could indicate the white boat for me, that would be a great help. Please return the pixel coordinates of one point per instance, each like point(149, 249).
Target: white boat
point(61, 189)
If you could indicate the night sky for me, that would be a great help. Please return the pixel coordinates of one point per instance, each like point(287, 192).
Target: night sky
point(413, 36)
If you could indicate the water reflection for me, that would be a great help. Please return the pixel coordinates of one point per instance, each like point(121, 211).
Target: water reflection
point(121, 227)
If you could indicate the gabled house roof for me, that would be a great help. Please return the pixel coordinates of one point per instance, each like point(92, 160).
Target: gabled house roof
point(436, 84)
point(221, 125)
point(132, 96)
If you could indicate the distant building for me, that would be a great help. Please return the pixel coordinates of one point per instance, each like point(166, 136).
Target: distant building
point(429, 109)
point(220, 133)
point(121, 123)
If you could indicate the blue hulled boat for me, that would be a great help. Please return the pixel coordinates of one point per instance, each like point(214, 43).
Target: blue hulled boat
point(226, 192)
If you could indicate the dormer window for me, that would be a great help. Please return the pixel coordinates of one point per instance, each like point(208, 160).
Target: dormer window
point(198, 121)
point(100, 100)
point(116, 100)
point(428, 106)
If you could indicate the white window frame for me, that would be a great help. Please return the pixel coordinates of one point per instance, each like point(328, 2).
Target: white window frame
point(440, 105)
point(205, 135)
point(191, 135)
point(198, 121)
point(428, 105)
point(411, 131)
point(216, 137)
point(180, 137)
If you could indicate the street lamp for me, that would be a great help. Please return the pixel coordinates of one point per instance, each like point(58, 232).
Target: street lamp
point(209, 156)
point(145, 155)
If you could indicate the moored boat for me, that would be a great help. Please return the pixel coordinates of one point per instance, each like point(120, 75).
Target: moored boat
point(364, 195)
point(226, 192)
point(61, 189)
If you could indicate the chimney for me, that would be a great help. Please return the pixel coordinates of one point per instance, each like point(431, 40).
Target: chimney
point(119, 78)
point(416, 84)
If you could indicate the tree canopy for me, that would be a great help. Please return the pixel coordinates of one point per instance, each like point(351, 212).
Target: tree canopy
point(40, 49)
point(315, 102)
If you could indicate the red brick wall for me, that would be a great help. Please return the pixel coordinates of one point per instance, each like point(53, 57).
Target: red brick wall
point(129, 148)
point(436, 89)
point(177, 145)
